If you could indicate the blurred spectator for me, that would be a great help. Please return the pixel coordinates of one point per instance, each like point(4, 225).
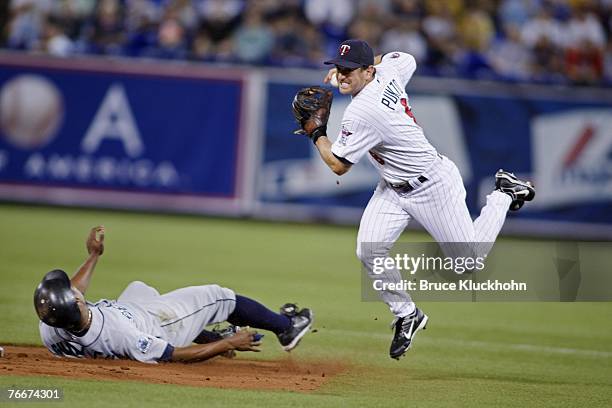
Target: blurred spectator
point(314, 52)
point(404, 35)
point(367, 30)
point(509, 57)
point(140, 13)
point(584, 66)
point(225, 51)
point(584, 27)
point(171, 41)
point(253, 40)
point(543, 35)
point(452, 7)
point(337, 13)
point(184, 12)
point(202, 48)
point(556, 41)
point(55, 41)
point(440, 32)
point(476, 30)
point(561, 10)
point(25, 26)
point(290, 45)
point(406, 9)
point(271, 8)
point(542, 28)
point(142, 18)
point(331, 18)
point(377, 9)
point(219, 18)
point(546, 61)
point(585, 44)
point(70, 15)
point(107, 31)
point(219, 9)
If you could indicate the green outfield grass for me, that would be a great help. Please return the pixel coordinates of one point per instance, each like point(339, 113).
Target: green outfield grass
point(472, 354)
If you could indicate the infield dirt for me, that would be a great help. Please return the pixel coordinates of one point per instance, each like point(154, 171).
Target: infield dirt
point(286, 374)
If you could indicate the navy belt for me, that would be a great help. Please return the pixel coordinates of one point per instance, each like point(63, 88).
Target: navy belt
point(406, 187)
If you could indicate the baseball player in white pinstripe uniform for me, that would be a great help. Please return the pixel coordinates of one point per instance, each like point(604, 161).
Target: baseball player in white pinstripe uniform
point(416, 181)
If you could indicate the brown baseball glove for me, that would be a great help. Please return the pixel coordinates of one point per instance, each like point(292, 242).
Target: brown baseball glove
point(311, 107)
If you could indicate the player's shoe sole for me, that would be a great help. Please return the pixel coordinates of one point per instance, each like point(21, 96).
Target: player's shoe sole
point(519, 190)
point(405, 331)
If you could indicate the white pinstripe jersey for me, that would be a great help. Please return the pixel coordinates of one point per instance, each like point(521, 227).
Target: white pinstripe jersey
point(379, 121)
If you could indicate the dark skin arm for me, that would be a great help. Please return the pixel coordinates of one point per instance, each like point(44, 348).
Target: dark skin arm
point(95, 248)
point(241, 341)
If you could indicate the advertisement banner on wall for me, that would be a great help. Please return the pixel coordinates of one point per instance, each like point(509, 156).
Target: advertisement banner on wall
point(94, 127)
point(573, 157)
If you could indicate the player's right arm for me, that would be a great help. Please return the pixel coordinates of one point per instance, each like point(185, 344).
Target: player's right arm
point(403, 63)
point(241, 341)
point(95, 248)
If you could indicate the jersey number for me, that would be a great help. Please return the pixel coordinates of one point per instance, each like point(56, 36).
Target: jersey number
point(407, 109)
point(377, 158)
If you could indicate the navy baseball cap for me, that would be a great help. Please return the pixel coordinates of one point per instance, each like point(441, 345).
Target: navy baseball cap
point(353, 54)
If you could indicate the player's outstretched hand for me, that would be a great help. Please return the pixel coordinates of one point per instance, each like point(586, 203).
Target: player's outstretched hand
point(330, 74)
point(95, 240)
point(244, 340)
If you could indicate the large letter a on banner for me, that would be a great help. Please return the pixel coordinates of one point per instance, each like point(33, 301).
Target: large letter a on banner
point(114, 120)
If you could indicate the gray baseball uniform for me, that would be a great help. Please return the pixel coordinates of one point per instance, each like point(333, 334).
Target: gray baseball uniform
point(142, 324)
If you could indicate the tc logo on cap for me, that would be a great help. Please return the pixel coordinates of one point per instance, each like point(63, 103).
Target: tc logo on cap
point(344, 48)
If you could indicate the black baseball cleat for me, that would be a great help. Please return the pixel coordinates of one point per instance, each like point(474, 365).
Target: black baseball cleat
point(519, 190)
point(301, 321)
point(405, 330)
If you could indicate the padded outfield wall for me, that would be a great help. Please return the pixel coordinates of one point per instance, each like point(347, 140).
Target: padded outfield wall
point(180, 137)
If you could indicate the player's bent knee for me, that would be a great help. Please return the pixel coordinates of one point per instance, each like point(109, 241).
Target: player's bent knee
point(367, 252)
point(218, 291)
point(136, 284)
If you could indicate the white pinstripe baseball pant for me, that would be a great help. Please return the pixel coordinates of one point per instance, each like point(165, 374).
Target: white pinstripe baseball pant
point(438, 204)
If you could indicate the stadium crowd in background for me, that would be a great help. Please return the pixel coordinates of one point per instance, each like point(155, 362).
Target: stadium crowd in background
point(546, 41)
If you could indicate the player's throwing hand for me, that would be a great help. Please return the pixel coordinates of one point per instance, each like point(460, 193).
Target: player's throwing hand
point(331, 74)
point(95, 240)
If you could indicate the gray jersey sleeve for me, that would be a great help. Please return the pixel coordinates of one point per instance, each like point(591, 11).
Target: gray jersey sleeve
point(140, 346)
point(402, 62)
point(116, 338)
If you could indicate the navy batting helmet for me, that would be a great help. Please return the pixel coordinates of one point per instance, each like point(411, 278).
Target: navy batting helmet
point(55, 301)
